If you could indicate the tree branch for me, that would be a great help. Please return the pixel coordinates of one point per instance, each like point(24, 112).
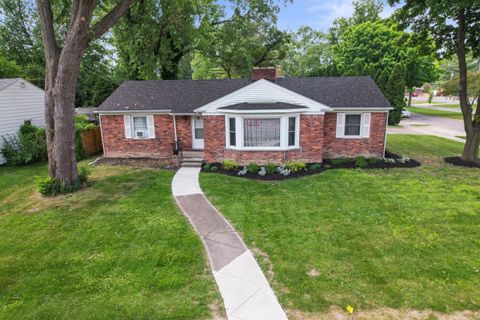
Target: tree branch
point(110, 18)
point(48, 34)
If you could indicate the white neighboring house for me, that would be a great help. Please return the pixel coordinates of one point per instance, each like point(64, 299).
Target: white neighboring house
point(20, 102)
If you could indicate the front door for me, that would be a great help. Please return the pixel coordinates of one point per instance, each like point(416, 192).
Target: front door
point(197, 133)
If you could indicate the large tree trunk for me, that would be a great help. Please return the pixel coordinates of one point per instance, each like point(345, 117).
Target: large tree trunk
point(472, 127)
point(62, 69)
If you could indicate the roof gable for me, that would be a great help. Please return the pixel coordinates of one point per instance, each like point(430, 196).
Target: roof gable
point(263, 91)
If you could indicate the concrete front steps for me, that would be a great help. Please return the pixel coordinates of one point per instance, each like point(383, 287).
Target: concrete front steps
point(192, 159)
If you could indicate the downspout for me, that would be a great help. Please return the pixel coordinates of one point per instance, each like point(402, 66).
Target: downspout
point(175, 139)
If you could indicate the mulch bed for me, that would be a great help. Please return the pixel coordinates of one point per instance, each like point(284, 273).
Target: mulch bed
point(457, 161)
point(134, 162)
point(328, 164)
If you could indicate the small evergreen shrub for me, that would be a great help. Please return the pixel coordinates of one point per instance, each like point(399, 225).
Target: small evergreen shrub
point(373, 160)
point(84, 173)
point(339, 161)
point(229, 165)
point(270, 167)
point(206, 166)
point(253, 167)
point(50, 187)
point(361, 162)
point(327, 166)
point(296, 166)
point(315, 166)
point(213, 168)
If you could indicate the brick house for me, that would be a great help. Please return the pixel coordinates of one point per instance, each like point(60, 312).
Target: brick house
point(266, 118)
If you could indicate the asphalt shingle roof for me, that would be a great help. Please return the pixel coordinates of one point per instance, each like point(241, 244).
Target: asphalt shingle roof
point(184, 96)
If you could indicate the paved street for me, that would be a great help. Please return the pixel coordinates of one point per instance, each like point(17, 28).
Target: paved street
point(422, 124)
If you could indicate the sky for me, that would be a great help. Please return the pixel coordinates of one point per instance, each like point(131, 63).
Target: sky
point(318, 14)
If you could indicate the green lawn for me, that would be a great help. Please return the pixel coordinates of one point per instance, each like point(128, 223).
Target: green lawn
point(436, 112)
point(118, 250)
point(406, 239)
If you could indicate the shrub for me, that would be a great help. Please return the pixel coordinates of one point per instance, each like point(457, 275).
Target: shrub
point(242, 172)
point(315, 166)
point(262, 172)
point(27, 146)
point(342, 160)
point(373, 160)
point(270, 167)
point(230, 164)
point(83, 174)
point(82, 123)
point(361, 162)
point(327, 166)
point(389, 160)
point(403, 159)
point(206, 166)
point(213, 168)
point(296, 166)
point(253, 167)
point(283, 171)
point(50, 187)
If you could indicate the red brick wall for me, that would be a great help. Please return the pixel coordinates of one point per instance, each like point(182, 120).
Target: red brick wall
point(184, 131)
point(269, 73)
point(214, 139)
point(311, 143)
point(115, 145)
point(311, 137)
point(373, 146)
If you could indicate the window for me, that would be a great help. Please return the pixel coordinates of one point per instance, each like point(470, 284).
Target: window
point(232, 131)
point(198, 126)
point(140, 127)
point(27, 122)
point(353, 124)
point(261, 132)
point(292, 122)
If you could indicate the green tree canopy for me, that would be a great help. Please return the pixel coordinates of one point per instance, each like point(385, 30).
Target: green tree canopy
point(308, 54)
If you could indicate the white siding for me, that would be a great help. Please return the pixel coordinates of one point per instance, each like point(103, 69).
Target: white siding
point(18, 104)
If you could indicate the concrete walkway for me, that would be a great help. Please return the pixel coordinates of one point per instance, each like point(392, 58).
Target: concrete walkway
point(243, 286)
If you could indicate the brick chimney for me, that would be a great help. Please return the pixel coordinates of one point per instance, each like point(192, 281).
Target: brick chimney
point(267, 73)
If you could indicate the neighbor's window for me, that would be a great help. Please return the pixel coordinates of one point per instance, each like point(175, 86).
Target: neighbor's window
point(232, 131)
point(261, 132)
point(353, 124)
point(140, 127)
point(292, 122)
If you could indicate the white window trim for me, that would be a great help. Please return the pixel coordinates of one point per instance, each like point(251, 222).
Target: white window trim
point(131, 127)
point(362, 125)
point(239, 135)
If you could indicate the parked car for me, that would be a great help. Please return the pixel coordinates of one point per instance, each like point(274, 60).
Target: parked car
point(406, 113)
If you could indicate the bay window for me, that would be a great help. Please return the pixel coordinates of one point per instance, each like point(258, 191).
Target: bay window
point(263, 132)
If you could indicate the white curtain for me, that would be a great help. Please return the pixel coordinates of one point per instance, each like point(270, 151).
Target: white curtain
point(261, 132)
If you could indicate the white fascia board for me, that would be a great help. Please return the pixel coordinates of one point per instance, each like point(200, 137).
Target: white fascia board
point(262, 111)
point(301, 100)
point(132, 111)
